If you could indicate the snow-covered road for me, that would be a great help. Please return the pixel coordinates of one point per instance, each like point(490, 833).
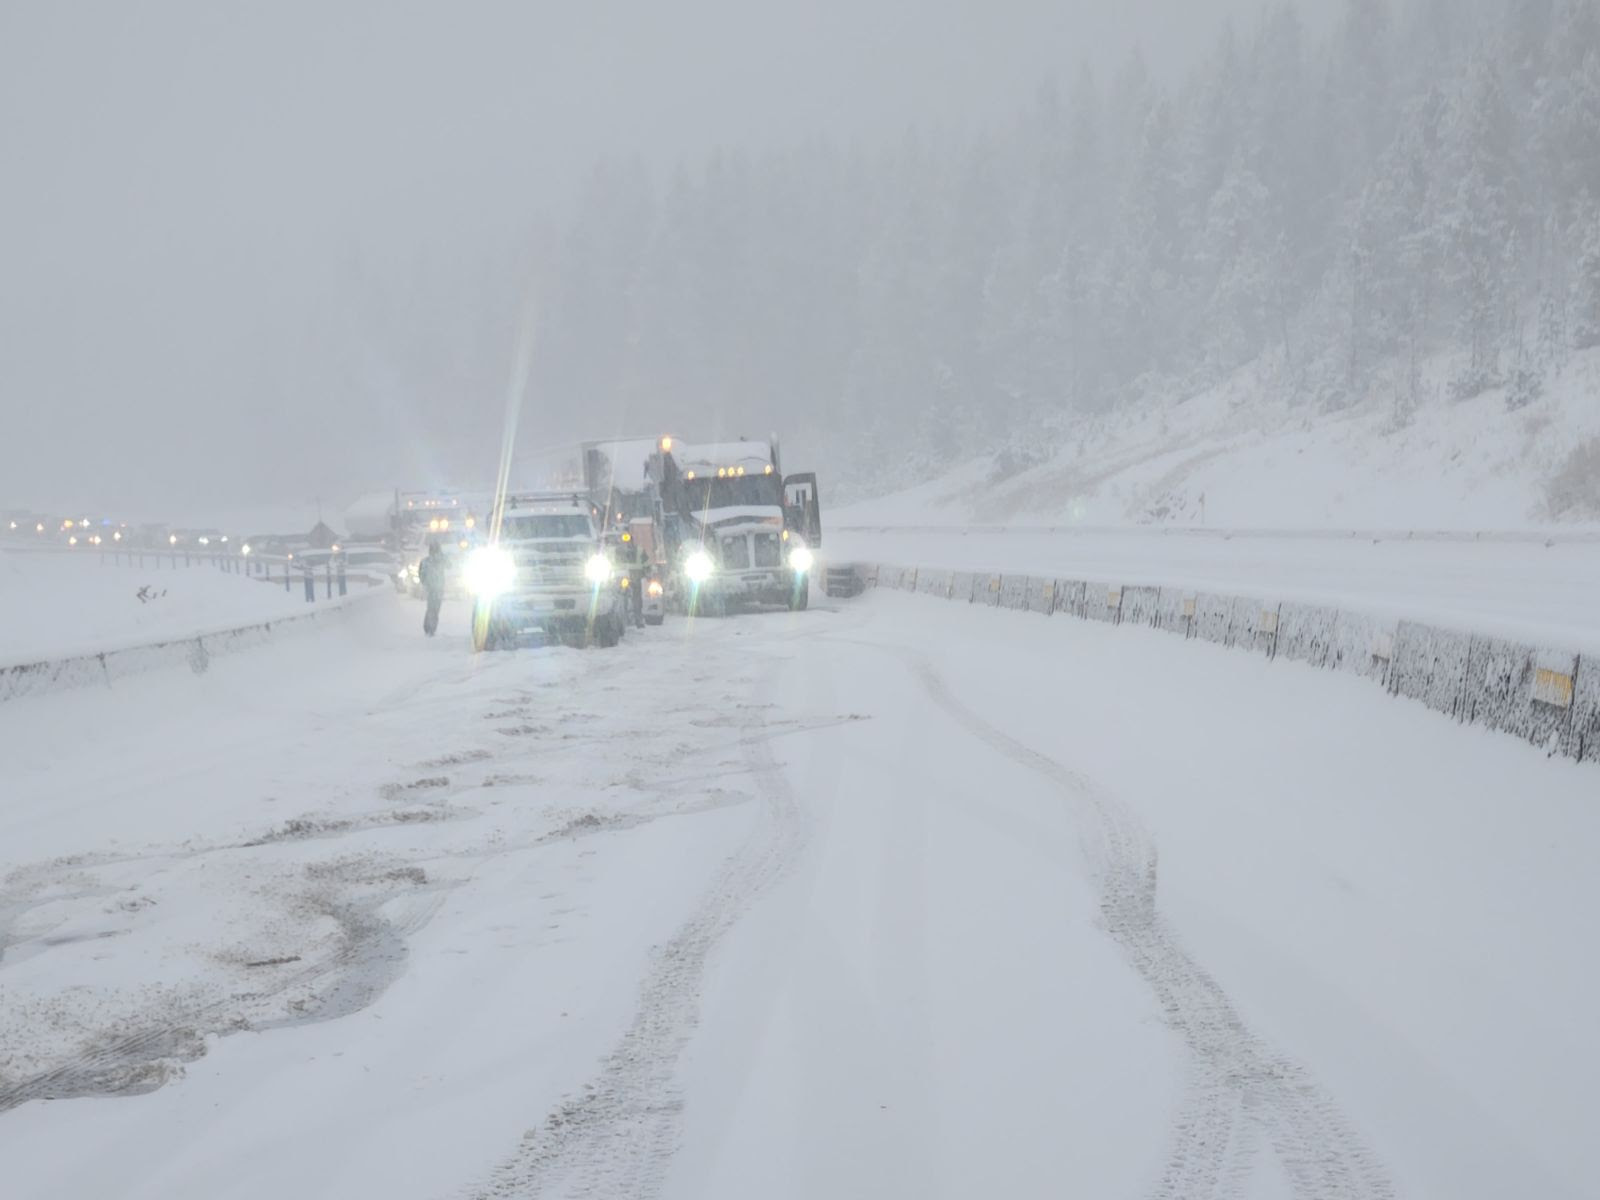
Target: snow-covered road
point(891, 899)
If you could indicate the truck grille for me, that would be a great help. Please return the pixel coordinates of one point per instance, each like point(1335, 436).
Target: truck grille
point(769, 551)
point(539, 571)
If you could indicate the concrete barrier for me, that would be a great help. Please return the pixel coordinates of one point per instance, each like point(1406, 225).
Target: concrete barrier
point(1102, 602)
point(1430, 665)
point(1213, 617)
point(1254, 625)
point(1520, 690)
point(1305, 632)
point(1175, 611)
point(900, 578)
point(934, 583)
point(1583, 740)
point(1014, 592)
point(1362, 645)
point(1069, 597)
point(1141, 605)
point(1545, 696)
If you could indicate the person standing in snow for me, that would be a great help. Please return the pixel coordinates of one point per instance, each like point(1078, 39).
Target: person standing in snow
point(432, 573)
point(631, 562)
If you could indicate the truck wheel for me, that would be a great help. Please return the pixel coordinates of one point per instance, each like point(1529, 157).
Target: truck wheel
point(800, 600)
point(608, 632)
point(655, 620)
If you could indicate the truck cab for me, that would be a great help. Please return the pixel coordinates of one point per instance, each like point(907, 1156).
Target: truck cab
point(545, 575)
point(738, 531)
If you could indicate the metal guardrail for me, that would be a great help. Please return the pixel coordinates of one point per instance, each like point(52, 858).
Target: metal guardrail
point(320, 577)
point(1544, 695)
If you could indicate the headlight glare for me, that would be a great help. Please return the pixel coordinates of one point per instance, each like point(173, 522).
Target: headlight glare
point(800, 558)
point(489, 571)
point(698, 566)
point(597, 569)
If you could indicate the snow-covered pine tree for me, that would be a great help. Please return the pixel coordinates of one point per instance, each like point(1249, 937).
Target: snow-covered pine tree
point(1479, 217)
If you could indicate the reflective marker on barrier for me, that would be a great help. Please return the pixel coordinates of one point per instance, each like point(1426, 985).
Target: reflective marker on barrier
point(1553, 687)
point(1188, 607)
point(1269, 620)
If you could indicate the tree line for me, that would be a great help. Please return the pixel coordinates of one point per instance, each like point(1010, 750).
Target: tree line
point(1422, 176)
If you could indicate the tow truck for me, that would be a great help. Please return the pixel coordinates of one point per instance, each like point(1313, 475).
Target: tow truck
point(738, 531)
point(544, 575)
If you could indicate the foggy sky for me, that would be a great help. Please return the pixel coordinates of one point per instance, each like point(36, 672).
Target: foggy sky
point(255, 253)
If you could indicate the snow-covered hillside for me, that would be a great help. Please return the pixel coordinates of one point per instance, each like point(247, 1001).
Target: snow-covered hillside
point(1242, 456)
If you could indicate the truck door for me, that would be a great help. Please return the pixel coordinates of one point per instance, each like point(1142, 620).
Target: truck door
point(802, 507)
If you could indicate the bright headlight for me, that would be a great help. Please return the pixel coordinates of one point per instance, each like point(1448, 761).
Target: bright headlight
point(654, 587)
point(698, 566)
point(800, 559)
point(597, 569)
point(488, 572)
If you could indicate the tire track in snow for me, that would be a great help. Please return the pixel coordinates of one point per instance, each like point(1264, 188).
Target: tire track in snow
point(616, 1139)
point(1239, 1089)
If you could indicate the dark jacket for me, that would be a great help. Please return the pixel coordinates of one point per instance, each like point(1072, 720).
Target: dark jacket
point(433, 572)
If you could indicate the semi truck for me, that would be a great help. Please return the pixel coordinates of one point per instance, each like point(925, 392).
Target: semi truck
point(736, 530)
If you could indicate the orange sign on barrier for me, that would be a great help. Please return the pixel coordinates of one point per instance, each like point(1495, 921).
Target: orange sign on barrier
point(1552, 687)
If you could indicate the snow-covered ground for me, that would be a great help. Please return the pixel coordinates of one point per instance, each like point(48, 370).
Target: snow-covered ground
point(58, 604)
point(1548, 595)
point(891, 898)
point(1242, 456)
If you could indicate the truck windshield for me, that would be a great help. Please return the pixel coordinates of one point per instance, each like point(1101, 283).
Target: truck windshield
point(545, 525)
point(731, 493)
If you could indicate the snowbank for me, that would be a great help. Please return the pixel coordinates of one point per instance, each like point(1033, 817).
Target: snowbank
point(67, 621)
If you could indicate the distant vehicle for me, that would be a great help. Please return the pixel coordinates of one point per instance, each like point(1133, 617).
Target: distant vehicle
point(737, 531)
point(451, 518)
point(547, 576)
point(370, 560)
point(616, 477)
